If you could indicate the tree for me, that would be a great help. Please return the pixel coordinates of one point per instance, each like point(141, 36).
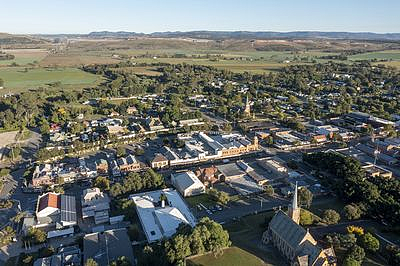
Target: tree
point(121, 261)
point(369, 242)
point(305, 197)
point(36, 235)
point(177, 249)
point(357, 230)
point(351, 262)
point(331, 217)
point(306, 217)
point(91, 262)
point(219, 196)
point(102, 182)
point(4, 172)
point(356, 253)
point(269, 190)
point(352, 212)
point(121, 151)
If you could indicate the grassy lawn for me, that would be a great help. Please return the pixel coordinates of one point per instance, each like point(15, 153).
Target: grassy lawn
point(246, 234)
point(318, 207)
point(205, 199)
point(232, 256)
point(18, 78)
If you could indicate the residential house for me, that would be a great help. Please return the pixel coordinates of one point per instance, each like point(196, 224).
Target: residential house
point(128, 164)
point(159, 161)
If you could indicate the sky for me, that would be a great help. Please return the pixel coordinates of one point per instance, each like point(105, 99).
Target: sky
point(84, 16)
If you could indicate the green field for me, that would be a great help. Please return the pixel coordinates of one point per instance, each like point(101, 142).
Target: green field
point(19, 78)
point(233, 256)
point(24, 56)
point(390, 55)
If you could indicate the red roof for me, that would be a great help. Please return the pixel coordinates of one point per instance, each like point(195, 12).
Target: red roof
point(49, 200)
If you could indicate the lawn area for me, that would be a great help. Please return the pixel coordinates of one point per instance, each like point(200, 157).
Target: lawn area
point(19, 78)
point(233, 256)
point(318, 207)
point(205, 199)
point(246, 234)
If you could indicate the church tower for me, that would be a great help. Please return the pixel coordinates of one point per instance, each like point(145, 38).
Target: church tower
point(247, 107)
point(294, 210)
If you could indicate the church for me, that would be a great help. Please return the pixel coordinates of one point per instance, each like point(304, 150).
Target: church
point(294, 242)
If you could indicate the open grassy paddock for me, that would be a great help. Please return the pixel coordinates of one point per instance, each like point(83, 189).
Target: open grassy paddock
point(20, 78)
point(24, 56)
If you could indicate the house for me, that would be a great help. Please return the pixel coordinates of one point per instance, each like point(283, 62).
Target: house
point(159, 161)
point(207, 175)
point(43, 175)
point(96, 205)
point(107, 246)
point(48, 204)
point(53, 208)
point(128, 164)
point(66, 256)
point(102, 166)
point(131, 110)
point(295, 243)
point(114, 113)
point(188, 184)
point(115, 169)
point(154, 123)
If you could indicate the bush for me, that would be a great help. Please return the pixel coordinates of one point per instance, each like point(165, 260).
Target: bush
point(331, 217)
point(352, 212)
point(306, 217)
point(220, 196)
point(369, 242)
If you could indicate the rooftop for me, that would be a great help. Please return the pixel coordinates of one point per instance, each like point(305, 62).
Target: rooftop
point(157, 221)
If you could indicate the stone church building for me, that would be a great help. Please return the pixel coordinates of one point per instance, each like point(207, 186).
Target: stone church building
point(294, 242)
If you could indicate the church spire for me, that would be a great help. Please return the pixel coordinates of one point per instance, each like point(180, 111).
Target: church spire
point(294, 202)
point(294, 210)
point(247, 107)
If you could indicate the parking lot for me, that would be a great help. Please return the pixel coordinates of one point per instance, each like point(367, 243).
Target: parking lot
point(239, 208)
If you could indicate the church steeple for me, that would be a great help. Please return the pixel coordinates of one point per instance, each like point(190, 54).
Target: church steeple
point(247, 107)
point(294, 210)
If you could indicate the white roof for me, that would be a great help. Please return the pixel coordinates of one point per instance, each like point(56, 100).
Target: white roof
point(158, 222)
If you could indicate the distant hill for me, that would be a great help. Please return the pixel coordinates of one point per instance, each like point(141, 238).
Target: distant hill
point(11, 39)
point(221, 35)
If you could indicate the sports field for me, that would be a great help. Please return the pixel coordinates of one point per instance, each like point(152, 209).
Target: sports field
point(22, 78)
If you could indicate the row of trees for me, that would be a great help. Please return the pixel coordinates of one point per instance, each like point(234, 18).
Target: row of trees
point(356, 243)
point(379, 197)
point(206, 236)
point(135, 182)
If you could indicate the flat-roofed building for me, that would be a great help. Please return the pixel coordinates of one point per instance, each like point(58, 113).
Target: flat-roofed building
point(95, 204)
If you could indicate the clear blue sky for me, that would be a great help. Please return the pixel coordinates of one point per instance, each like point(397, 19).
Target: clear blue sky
point(84, 16)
